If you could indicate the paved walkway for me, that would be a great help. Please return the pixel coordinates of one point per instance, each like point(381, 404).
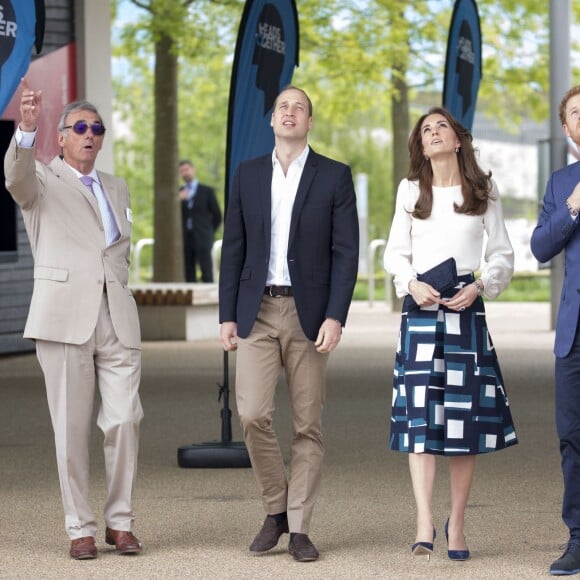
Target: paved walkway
point(198, 523)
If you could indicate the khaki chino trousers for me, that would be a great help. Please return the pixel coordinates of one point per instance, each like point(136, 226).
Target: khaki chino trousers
point(277, 342)
point(69, 373)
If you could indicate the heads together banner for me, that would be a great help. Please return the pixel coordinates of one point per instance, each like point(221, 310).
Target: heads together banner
point(21, 28)
point(265, 57)
point(463, 62)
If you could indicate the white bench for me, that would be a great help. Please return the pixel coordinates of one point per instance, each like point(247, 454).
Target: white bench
point(177, 310)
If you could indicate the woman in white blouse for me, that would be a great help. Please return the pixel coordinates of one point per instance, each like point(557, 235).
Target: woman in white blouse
point(448, 392)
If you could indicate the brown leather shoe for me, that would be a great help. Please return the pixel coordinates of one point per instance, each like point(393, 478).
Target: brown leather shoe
point(302, 549)
point(124, 542)
point(83, 548)
point(269, 535)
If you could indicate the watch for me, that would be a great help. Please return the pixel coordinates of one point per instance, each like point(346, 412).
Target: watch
point(479, 285)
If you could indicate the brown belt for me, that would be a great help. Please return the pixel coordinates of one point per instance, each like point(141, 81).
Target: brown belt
point(278, 291)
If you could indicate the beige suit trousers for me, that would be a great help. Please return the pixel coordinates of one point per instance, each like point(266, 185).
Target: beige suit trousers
point(69, 372)
point(277, 342)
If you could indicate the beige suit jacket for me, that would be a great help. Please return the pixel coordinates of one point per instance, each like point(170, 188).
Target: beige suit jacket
point(71, 259)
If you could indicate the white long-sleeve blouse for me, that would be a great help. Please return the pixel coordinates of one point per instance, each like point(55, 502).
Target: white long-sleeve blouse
point(416, 245)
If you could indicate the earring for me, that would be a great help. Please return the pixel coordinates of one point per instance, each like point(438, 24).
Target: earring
point(456, 149)
point(426, 158)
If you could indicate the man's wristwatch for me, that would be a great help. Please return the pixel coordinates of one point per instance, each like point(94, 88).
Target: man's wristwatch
point(573, 212)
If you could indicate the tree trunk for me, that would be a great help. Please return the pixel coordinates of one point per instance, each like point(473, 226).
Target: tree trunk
point(400, 124)
point(167, 251)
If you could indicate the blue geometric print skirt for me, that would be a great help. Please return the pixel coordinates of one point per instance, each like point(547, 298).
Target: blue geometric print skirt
point(448, 393)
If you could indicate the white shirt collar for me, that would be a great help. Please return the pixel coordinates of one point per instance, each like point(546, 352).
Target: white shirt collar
point(92, 174)
point(300, 160)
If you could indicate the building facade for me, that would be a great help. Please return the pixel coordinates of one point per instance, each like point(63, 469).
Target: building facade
point(75, 62)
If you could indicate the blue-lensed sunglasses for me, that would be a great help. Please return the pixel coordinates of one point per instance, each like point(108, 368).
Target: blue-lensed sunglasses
point(80, 128)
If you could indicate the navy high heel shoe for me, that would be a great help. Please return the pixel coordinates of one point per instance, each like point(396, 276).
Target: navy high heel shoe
point(424, 548)
point(457, 555)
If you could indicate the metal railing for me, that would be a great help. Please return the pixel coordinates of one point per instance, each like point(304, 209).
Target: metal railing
point(136, 258)
point(373, 248)
point(140, 245)
point(216, 252)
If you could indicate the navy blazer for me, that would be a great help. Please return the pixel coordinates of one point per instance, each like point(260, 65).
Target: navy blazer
point(322, 246)
point(205, 215)
point(557, 231)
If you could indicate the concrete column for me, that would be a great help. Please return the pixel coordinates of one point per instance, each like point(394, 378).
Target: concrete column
point(93, 44)
point(560, 78)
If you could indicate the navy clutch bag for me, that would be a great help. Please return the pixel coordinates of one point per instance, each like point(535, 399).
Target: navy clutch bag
point(442, 277)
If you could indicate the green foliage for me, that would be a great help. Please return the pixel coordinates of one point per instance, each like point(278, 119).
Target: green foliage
point(522, 288)
point(348, 52)
point(528, 288)
point(516, 207)
point(516, 60)
point(204, 92)
point(202, 104)
point(133, 143)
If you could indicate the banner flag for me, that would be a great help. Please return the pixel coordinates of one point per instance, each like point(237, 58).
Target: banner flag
point(264, 61)
point(463, 62)
point(21, 29)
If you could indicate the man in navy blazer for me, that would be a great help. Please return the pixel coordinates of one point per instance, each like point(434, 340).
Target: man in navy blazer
point(288, 269)
point(200, 218)
point(558, 230)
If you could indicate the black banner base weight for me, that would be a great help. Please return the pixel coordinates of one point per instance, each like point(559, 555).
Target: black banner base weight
point(214, 454)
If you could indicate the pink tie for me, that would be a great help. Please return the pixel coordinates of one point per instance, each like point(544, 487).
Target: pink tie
point(111, 230)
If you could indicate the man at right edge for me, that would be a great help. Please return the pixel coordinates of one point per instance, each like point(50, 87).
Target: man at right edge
point(558, 230)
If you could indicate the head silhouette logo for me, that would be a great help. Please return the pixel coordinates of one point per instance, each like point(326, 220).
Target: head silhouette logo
point(464, 65)
point(264, 61)
point(269, 53)
point(463, 62)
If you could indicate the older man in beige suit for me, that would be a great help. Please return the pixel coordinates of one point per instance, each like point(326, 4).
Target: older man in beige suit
point(82, 315)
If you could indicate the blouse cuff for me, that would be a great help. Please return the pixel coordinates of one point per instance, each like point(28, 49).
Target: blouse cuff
point(402, 285)
point(492, 287)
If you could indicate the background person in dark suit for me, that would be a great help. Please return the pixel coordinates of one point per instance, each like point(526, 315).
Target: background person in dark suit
point(558, 230)
point(201, 217)
point(288, 270)
point(82, 316)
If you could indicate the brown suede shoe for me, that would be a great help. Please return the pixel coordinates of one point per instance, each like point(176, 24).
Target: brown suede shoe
point(83, 548)
point(302, 549)
point(125, 542)
point(269, 535)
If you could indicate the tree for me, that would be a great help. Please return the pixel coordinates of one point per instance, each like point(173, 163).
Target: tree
point(169, 27)
point(370, 66)
point(385, 54)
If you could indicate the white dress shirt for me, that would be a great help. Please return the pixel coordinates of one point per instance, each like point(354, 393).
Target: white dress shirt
point(110, 226)
point(24, 139)
point(284, 189)
point(191, 188)
point(416, 245)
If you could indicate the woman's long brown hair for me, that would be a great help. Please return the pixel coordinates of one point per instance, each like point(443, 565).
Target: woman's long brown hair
point(476, 185)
